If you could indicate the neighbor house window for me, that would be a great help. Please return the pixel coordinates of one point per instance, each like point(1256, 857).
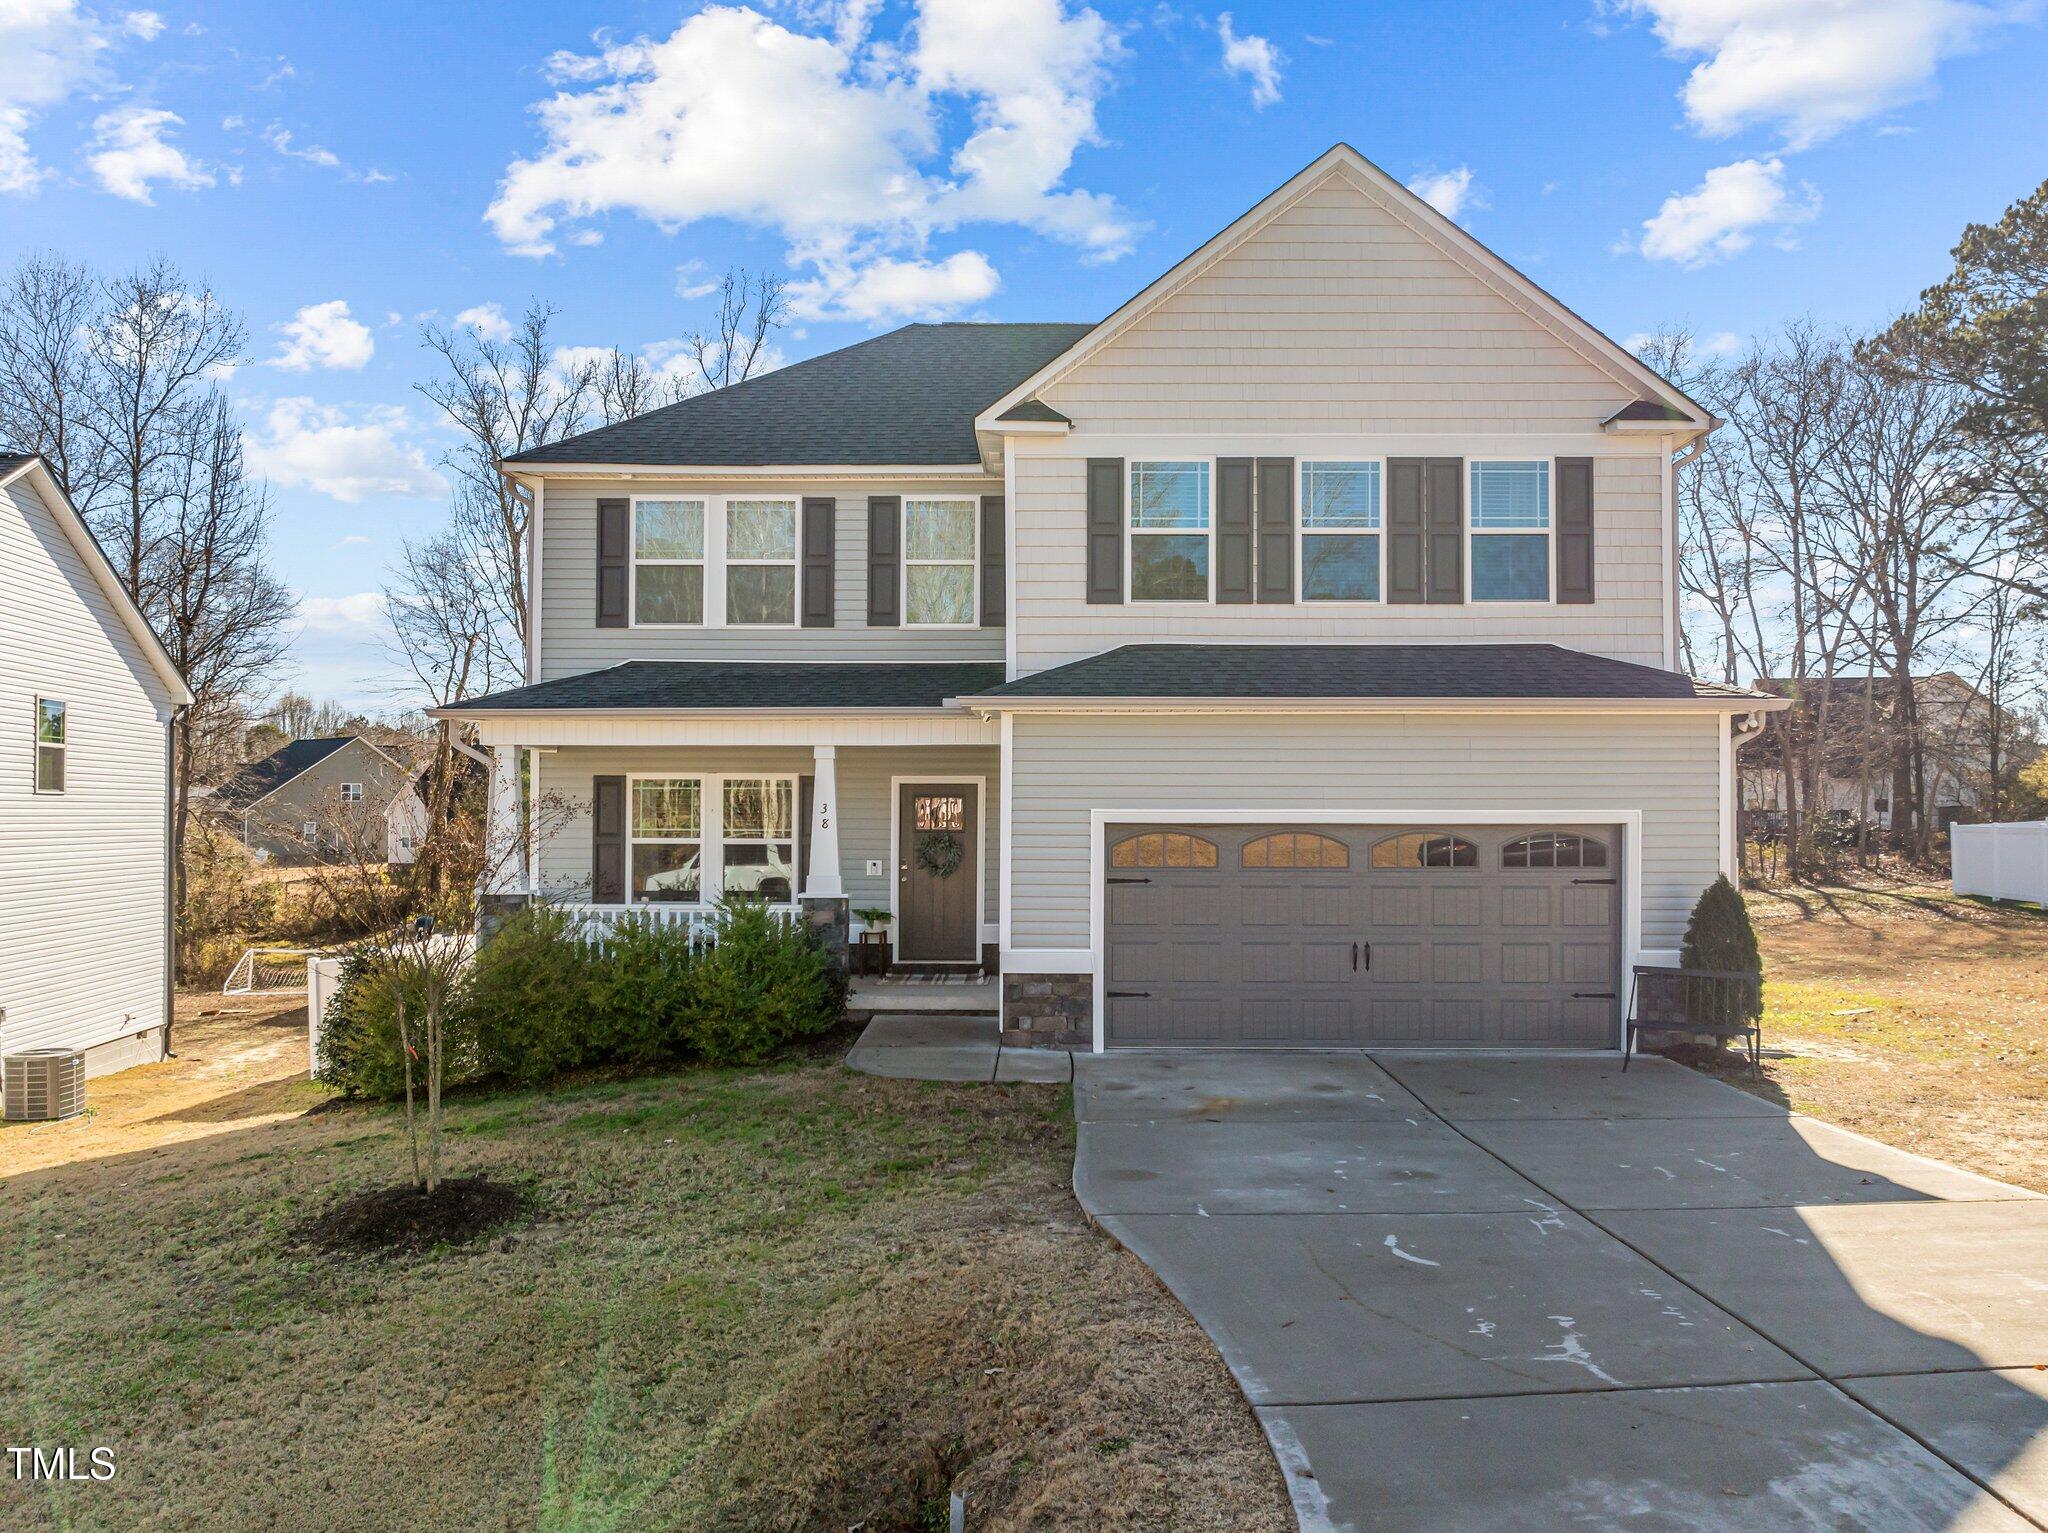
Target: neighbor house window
point(759, 837)
point(668, 839)
point(1340, 532)
point(668, 561)
point(939, 562)
point(351, 793)
point(49, 746)
point(1511, 531)
point(1170, 531)
point(760, 562)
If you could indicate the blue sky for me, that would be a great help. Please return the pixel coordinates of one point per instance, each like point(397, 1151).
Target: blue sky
point(341, 174)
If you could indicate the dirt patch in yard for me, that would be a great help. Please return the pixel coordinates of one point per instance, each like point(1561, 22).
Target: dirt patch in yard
point(787, 1298)
point(1911, 1015)
point(406, 1220)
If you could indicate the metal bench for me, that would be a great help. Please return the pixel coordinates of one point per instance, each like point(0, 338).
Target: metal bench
point(1716, 1001)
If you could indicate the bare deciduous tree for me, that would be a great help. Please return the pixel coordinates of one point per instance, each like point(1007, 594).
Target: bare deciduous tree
point(48, 311)
point(752, 306)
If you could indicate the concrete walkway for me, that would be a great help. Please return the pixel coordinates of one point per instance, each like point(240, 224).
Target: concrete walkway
point(924, 1047)
point(1516, 1292)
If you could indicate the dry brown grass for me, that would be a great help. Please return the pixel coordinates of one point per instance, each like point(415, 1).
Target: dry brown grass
point(1911, 1015)
point(786, 1298)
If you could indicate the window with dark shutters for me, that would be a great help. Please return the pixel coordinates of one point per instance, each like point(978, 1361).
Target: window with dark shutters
point(1234, 530)
point(608, 840)
point(1105, 530)
point(1276, 530)
point(885, 560)
point(1425, 530)
point(994, 576)
point(614, 555)
point(1574, 530)
point(819, 536)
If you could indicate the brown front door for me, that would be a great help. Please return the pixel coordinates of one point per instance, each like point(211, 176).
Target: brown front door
point(937, 871)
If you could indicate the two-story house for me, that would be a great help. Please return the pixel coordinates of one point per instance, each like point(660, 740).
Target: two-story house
point(1289, 658)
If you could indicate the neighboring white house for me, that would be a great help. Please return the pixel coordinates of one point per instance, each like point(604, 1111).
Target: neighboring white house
point(1288, 658)
point(88, 696)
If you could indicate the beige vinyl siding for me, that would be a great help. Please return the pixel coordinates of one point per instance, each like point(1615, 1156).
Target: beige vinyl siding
point(273, 823)
point(571, 641)
point(82, 920)
point(1337, 315)
point(1055, 623)
point(865, 804)
point(1382, 767)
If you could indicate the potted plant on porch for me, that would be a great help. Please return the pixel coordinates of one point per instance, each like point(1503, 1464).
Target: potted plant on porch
point(872, 953)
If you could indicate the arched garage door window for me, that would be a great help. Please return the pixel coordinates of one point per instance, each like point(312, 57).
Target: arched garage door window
point(1425, 849)
point(1554, 849)
point(1296, 849)
point(1163, 849)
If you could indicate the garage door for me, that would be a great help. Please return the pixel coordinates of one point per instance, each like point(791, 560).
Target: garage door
point(1392, 936)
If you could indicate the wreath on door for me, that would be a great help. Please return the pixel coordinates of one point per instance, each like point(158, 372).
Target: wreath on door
point(939, 853)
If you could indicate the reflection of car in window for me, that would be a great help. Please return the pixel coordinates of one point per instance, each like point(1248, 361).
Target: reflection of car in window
point(678, 881)
point(761, 871)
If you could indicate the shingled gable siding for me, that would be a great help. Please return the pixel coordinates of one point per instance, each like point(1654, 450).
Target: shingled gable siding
point(572, 642)
point(1389, 767)
point(864, 803)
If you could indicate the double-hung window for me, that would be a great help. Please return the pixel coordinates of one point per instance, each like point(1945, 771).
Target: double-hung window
point(760, 562)
point(759, 838)
point(668, 840)
point(1511, 531)
point(50, 746)
point(1340, 532)
point(940, 562)
point(1170, 526)
point(668, 561)
point(695, 838)
point(351, 793)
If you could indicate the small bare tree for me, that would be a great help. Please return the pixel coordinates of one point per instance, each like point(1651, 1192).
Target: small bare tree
point(752, 306)
point(49, 310)
point(626, 386)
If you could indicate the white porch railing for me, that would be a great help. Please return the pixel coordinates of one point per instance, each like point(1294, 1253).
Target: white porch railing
point(597, 922)
point(2000, 862)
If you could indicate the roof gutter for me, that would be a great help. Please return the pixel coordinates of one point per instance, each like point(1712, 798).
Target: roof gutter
point(777, 471)
point(1167, 705)
point(457, 711)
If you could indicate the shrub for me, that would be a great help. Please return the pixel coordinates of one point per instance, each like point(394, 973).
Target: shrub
point(360, 1053)
point(1719, 936)
point(529, 996)
point(761, 984)
point(638, 992)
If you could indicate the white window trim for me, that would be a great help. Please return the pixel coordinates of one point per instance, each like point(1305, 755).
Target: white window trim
point(37, 745)
point(351, 798)
point(1547, 532)
point(973, 562)
point(712, 838)
point(1132, 533)
point(715, 562)
point(1302, 534)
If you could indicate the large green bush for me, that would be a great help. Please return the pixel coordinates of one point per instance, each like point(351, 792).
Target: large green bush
point(360, 1053)
point(762, 983)
point(529, 996)
point(1720, 936)
point(639, 989)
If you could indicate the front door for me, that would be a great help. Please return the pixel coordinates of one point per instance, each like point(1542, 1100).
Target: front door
point(937, 872)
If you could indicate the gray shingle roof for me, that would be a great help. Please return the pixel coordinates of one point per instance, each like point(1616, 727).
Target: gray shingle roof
point(1331, 671)
point(1647, 410)
point(714, 684)
point(908, 397)
point(260, 778)
point(1035, 410)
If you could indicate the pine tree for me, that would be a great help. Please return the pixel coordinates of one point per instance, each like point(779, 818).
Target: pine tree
point(1719, 936)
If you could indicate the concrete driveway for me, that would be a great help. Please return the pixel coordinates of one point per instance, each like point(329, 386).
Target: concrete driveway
point(1515, 1292)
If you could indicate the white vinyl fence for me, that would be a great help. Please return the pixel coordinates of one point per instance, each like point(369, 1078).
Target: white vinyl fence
point(2000, 862)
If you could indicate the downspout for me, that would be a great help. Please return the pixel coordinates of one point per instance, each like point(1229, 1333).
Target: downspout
point(1742, 729)
point(171, 869)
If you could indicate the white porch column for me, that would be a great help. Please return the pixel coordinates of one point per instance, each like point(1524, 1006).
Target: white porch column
point(504, 868)
point(821, 878)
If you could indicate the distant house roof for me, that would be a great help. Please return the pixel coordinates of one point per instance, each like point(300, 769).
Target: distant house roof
point(907, 398)
point(260, 779)
point(690, 684)
point(1338, 672)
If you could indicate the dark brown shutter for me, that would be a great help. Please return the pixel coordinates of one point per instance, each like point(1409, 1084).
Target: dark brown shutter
point(1443, 512)
point(608, 840)
point(614, 550)
point(1276, 529)
point(819, 537)
point(1404, 530)
point(1105, 530)
point(1575, 530)
point(1233, 529)
point(805, 787)
point(885, 559)
point(994, 592)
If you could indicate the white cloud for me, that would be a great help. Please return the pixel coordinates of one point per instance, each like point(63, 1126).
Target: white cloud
point(131, 152)
point(280, 139)
point(360, 614)
point(1452, 193)
point(326, 449)
point(487, 320)
point(53, 49)
point(1253, 57)
point(147, 25)
point(694, 280)
point(834, 140)
point(1718, 343)
point(883, 289)
point(1719, 218)
point(323, 335)
point(1814, 67)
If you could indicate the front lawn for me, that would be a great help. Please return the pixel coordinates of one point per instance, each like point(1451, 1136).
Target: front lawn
point(741, 1299)
point(1912, 1015)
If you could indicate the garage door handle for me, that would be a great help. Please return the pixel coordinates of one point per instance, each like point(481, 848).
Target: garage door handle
point(1592, 995)
point(1592, 880)
point(1127, 880)
point(1354, 958)
point(1127, 995)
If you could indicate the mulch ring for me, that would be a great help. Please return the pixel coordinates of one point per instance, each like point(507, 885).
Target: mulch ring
point(405, 1220)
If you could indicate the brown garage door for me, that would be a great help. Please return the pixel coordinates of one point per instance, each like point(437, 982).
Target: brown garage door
point(1389, 936)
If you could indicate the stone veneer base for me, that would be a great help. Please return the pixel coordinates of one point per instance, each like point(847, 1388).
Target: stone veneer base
point(1048, 1011)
